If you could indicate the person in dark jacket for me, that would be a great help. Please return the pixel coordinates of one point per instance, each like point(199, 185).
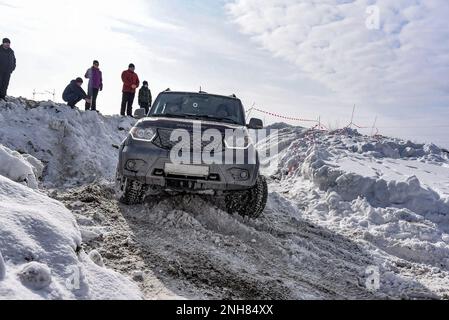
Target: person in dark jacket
point(7, 66)
point(130, 83)
point(145, 98)
point(95, 77)
point(74, 93)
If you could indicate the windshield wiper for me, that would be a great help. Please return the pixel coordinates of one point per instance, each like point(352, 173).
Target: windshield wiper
point(224, 119)
point(168, 115)
point(196, 117)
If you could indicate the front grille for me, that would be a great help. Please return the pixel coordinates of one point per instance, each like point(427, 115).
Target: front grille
point(163, 140)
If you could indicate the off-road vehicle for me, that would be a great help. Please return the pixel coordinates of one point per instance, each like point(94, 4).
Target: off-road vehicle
point(193, 142)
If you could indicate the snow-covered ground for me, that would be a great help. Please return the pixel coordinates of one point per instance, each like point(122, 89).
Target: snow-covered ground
point(389, 195)
point(340, 204)
point(40, 248)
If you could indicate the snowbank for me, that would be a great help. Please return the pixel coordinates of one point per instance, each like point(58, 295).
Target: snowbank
point(393, 194)
point(40, 253)
point(76, 147)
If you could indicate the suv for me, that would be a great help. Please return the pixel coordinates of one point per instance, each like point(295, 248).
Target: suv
point(193, 142)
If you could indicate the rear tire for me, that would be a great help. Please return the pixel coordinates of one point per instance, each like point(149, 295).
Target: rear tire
point(131, 192)
point(249, 203)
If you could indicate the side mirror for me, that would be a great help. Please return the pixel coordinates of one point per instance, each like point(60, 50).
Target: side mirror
point(140, 114)
point(255, 124)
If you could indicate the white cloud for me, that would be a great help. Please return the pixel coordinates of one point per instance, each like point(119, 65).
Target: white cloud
point(56, 41)
point(405, 62)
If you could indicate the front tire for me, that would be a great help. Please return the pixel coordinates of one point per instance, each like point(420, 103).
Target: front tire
point(130, 192)
point(249, 203)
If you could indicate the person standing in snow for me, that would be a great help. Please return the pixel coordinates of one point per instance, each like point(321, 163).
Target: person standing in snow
point(145, 98)
point(95, 77)
point(7, 66)
point(74, 93)
point(130, 83)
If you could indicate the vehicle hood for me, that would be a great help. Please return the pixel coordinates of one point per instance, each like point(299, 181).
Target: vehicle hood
point(187, 124)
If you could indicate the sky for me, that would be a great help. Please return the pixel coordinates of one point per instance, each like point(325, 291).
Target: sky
point(306, 59)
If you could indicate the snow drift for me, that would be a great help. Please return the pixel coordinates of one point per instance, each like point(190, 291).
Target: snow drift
point(76, 147)
point(40, 243)
point(388, 193)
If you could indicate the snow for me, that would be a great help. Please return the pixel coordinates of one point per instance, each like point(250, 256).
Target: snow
point(391, 195)
point(339, 204)
point(20, 168)
point(36, 276)
point(76, 147)
point(40, 248)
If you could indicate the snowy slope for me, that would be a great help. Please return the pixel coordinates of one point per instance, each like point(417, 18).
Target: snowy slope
point(40, 254)
point(77, 147)
point(390, 195)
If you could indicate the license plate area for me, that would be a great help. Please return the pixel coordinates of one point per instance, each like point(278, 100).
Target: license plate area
point(186, 170)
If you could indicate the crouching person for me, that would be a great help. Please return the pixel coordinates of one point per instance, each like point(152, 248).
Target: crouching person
point(74, 93)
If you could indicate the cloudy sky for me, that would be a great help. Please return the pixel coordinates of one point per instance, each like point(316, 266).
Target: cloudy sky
point(300, 58)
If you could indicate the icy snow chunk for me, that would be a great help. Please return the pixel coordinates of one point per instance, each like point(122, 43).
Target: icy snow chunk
point(333, 199)
point(351, 185)
point(430, 148)
point(96, 258)
point(89, 235)
point(23, 169)
point(445, 238)
point(138, 275)
point(36, 276)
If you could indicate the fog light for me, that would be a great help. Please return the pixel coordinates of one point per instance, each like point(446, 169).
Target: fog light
point(158, 172)
point(214, 177)
point(244, 175)
point(131, 165)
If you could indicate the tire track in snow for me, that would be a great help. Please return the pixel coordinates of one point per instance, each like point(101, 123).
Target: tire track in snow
point(186, 247)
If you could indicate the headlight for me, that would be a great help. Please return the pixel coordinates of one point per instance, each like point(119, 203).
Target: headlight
point(142, 134)
point(238, 141)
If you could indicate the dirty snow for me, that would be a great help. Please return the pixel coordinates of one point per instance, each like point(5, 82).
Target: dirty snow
point(339, 205)
point(40, 245)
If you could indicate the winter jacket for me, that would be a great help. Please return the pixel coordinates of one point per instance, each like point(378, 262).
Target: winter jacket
point(73, 92)
point(95, 77)
point(130, 78)
point(145, 98)
point(7, 60)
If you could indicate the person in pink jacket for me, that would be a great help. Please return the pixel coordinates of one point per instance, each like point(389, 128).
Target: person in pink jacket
point(95, 77)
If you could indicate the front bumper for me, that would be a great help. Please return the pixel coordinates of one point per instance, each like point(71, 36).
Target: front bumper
point(149, 162)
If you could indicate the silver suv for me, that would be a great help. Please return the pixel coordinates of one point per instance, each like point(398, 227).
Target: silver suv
point(193, 142)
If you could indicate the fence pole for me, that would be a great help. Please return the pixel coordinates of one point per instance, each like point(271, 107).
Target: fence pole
point(374, 126)
point(352, 117)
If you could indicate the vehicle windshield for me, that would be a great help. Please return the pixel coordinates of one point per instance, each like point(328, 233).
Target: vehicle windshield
point(199, 106)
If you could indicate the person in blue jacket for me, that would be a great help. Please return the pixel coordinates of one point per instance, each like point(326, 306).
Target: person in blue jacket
point(74, 93)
